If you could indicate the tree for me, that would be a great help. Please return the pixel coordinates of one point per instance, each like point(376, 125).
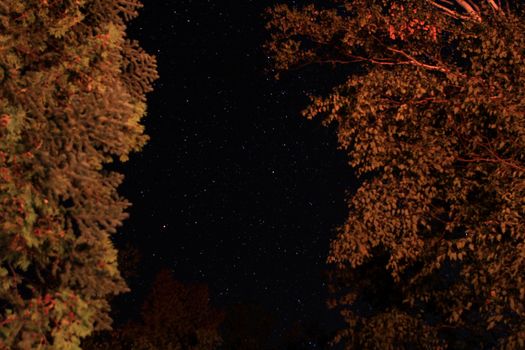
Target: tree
point(305, 335)
point(433, 121)
point(175, 316)
point(247, 327)
point(72, 93)
point(178, 316)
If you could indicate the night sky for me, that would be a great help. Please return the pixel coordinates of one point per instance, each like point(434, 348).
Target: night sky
point(235, 188)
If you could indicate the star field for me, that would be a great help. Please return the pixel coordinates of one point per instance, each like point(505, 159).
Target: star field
point(235, 188)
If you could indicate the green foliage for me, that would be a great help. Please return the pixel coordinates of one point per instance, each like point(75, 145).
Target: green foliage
point(433, 121)
point(71, 98)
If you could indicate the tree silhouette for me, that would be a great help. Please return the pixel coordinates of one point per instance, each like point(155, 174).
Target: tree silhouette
point(305, 335)
point(72, 93)
point(175, 316)
point(433, 121)
point(247, 327)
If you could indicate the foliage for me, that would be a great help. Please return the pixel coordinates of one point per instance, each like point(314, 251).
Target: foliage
point(72, 93)
point(305, 335)
point(433, 121)
point(247, 327)
point(175, 316)
point(129, 260)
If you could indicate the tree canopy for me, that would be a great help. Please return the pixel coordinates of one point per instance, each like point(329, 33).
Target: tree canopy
point(433, 121)
point(72, 93)
point(175, 316)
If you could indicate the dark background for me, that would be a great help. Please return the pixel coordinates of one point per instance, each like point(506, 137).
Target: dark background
point(235, 188)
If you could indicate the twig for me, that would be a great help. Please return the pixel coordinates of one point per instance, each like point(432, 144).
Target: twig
point(421, 64)
point(491, 160)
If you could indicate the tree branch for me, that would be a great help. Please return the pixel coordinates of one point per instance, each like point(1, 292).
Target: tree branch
point(495, 6)
point(448, 11)
point(415, 62)
point(478, 159)
point(470, 10)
